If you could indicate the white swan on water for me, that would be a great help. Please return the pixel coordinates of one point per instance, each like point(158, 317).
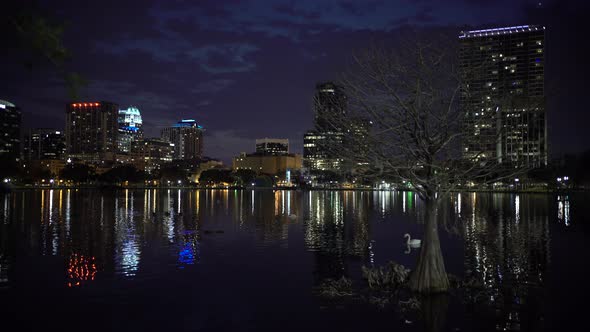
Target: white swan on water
point(414, 243)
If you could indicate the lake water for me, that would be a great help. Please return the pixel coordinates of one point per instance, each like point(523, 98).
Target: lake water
point(218, 260)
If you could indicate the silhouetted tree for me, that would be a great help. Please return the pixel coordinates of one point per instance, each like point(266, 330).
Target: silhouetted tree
point(410, 97)
point(216, 175)
point(172, 173)
point(78, 173)
point(244, 176)
point(8, 167)
point(121, 174)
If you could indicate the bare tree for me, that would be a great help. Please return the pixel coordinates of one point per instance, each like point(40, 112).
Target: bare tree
point(410, 96)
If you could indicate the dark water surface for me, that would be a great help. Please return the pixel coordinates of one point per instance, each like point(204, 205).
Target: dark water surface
point(217, 260)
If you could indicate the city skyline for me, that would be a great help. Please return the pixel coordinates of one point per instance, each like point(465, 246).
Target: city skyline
point(234, 78)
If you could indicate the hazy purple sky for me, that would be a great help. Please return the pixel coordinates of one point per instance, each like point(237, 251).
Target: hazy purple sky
point(247, 69)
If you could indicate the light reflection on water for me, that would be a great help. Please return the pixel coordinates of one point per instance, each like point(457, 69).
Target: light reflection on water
point(501, 241)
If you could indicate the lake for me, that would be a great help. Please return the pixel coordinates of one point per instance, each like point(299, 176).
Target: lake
point(251, 260)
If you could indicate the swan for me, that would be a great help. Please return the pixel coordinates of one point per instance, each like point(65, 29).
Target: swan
point(415, 243)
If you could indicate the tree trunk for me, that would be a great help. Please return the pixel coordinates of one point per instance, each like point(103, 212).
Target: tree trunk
point(430, 276)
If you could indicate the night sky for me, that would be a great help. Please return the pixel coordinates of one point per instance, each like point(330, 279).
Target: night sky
point(247, 69)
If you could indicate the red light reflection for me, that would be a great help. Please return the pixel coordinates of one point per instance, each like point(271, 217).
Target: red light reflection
point(81, 269)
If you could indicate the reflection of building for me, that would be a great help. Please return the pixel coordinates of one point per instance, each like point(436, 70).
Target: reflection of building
point(563, 209)
point(10, 124)
point(189, 253)
point(272, 146)
point(267, 164)
point(127, 239)
point(507, 253)
point(337, 231)
point(503, 95)
point(44, 143)
point(150, 154)
point(187, 137)
point(81, 269)
point(91, 130)
point(130, 128)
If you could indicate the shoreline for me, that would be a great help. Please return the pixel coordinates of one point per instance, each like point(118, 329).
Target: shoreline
point(114, 187)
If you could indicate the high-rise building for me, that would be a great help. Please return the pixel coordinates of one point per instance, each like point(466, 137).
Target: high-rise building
point(330, 105)
point(503, 95)
point(44, 143)
point(323, 147)
point(91, 130)
point(272, 146)
point(10, 126)
point(130, 128)
point(187, 137)
point(150, 154)
point(323, 150)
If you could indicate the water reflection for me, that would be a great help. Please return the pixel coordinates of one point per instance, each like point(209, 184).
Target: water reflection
point(501, 241)
point(81, 269)
point(507, 251)
point(563, 209)
point(127, 237)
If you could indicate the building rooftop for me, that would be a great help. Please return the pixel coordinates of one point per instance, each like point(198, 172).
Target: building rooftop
point(187, 123)
point(272, 140)
point(4, 104)
point(500, 31)
point(132, 110)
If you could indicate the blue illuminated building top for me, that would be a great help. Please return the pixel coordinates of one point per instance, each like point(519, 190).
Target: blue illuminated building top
point(129, 128)
point(499, 31)
point(187, 123)
point(130, 117)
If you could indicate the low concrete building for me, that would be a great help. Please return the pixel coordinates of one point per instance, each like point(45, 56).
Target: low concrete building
point(268, 164)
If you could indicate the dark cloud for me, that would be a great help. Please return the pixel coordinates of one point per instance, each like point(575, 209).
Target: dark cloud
point(290, 10)
point(213, 86)
point(358, 8)
point(225, 58)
